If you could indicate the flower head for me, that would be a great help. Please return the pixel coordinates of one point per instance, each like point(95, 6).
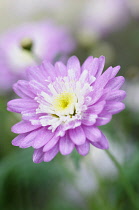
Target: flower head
point(97, 20)
point(62, 107)
point(28, 44)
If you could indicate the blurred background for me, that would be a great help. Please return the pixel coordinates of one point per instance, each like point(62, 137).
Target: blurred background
point(96, 27)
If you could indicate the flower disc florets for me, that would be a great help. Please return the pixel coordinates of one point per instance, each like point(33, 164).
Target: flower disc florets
point(62, 106)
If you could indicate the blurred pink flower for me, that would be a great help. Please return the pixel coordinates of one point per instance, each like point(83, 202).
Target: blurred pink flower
point(100, 17)
point(47, 40)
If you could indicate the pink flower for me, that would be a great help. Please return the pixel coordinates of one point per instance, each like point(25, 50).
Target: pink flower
point(46, 41)
point(62, 107)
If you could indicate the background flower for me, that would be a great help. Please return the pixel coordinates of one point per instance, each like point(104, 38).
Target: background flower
point(47, 40)
point(57, 116)
point(99, 18)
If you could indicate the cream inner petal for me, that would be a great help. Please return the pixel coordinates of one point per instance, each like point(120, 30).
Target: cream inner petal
point(66, 102)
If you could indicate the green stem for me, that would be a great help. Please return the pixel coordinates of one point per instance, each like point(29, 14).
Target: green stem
point(127, 185)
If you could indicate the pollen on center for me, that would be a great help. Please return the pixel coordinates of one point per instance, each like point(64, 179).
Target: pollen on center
point(65, 103)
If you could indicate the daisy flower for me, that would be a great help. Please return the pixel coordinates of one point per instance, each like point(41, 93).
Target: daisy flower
point(63, 105)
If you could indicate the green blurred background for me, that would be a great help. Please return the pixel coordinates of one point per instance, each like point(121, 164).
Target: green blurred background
point(73, 182)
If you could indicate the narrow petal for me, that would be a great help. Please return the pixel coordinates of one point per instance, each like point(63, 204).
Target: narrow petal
point(51, 143)
point(36, 87)
point(103, 79)
point(83, 149)
point(102, 143)
point(28, 140)
point(103, 119)
point(114, 107)
point(91, 65)
point(89, 119)
point(87, 65)
point(77, 135)
point(48, 156)
point(38, 155)
point(115, 83)
point(116, 95)
point(49, 69)
point(22, 89)
point(24, 127)
point(115, 70)
point(30, 115)
point(34, 73)
point(100, 83)
point(100, 66)
point(42, 138)
point(96, 108)
point(18, 139)
point(92, 133)
point(66, 146)
point(60, 69)
point(19, 105)
point(73, 67)
point(95, 95)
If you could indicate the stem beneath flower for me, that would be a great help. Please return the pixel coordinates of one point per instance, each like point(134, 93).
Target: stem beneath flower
point(127, 185)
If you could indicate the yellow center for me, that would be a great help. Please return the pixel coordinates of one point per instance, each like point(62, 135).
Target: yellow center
point(64, 103)
point(26, 44)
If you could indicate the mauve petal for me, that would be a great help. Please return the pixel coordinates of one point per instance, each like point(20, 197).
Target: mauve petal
point(92, 133)
point(24, 127)
point(99, 85)
point(83, 149)
point(60, 69)
point(66, 146)
point(115, 70)
point(89, 119)
point(18, 139)
point(49, 69)
point(91, 65)
point(73, 67)
point(87, 65)
point(36, 87)
point(116, 95)
point(114, 107)
point(115, 83)
point(103, 96)
point(101, 61)
point(103, 119)
point(42, 138)
point(28, 140)
point(102, 143)
point(95, 95)
point(19, 105)
point(51, 143)
point(48, 156)
point(22, 89)
point(96, 108)
point(38, 155)
point(34, 73)
point(77, 135)
point(29, 115)
point(103, 79)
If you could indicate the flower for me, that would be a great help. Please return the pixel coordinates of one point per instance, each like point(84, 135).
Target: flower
point(28, 45)
point(62, 107)
point(98, 20)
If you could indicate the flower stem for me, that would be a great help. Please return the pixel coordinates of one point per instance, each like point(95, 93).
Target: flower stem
point(127, 185)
